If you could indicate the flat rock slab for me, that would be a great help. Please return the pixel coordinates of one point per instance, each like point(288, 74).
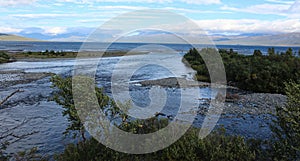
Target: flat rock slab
point(174, 82)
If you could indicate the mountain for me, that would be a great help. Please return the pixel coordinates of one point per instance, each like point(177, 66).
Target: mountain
point(288, 39)
point(9, 37)
point(255, 39)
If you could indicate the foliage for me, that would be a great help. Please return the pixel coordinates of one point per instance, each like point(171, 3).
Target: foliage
point(48, 53)
point(258, 73)
point(287, 130)
point(29, 155)
point(4, 58)
point(64, 97)
point(216, 146)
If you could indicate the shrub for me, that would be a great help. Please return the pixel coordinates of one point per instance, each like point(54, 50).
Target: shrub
point(217, 146)
point(257, 73)
point(4, 58)
point(287, 127)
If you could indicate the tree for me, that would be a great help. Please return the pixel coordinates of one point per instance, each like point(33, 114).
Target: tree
point(289, 52)
point(257, 53)
point(64, 97)
point(287, 128)
point(271, 51)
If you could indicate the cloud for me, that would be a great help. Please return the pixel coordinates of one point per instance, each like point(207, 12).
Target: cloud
point(281, 1)
point(124, 7)
point(289, 9)
point(202, 1)
point(43, 15)
point(250, 26)
point(16, 2)
point(266, 8)
point(185, 10)
point(145, 1)
point(9, 30)
point(55, 30)
point(294, 10)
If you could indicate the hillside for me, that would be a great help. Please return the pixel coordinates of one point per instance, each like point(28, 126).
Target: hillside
point(9, 37)
point(289, 39)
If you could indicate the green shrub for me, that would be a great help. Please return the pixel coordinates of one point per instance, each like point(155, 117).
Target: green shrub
point(217, 146)
point(287, 127)
point(4, 58)
point(257, 72)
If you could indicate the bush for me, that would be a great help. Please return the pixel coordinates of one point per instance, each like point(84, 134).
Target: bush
point(257, 73)
point(287, 129)
point(64, 97)
point(216, 146)
point(4, 58)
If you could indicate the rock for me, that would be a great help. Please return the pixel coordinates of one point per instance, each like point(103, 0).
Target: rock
point(174, 82)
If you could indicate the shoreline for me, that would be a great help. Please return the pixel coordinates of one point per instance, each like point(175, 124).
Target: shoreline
point(70, 55)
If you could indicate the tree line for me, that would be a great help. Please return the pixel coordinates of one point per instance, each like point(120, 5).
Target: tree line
point(257, 72)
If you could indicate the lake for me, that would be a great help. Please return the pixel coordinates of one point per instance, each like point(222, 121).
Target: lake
point(75, 46)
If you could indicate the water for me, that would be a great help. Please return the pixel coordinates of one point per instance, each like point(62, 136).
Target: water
point(75, 46)
point(44, 117)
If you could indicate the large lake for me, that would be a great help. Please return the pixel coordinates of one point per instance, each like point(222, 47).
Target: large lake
point(75, 46)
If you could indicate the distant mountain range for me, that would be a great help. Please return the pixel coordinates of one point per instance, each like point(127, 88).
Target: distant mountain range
point(9, 37)
point(288, 39)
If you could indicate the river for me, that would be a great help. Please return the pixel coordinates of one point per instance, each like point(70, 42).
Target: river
point(39, 121)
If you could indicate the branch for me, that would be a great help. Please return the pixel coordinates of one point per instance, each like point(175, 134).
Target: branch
point(10, 132)
point(8, 97)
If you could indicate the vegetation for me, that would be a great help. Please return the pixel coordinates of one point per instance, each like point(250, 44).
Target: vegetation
point(288, 130)
point(4, 58)
point(46, 54)
point(258, 72)
point(64, 97)
point(64, 54)
point(217, 146)
point(187, 148)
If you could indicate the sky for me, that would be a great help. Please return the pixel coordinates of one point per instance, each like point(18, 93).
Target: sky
point(74, 20)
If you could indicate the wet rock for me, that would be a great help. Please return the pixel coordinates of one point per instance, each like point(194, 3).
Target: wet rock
point(174, 82)
point(251, 103)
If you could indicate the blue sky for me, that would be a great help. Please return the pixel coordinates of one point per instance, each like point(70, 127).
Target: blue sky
point(75, 19)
